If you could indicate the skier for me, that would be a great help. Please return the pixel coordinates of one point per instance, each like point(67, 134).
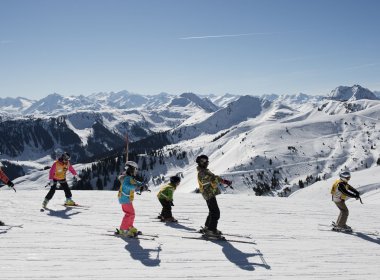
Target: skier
point(340, 191)
point(126, 194)
point(4, 178)
point(57, 174)
point(208, 186)
point(165, 196)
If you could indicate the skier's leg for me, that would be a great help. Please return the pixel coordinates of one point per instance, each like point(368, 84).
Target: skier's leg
point(50, 194)
point(129, 216)
point(214, 214)
point(66, 189)
point(166, 209)
point(343, 215)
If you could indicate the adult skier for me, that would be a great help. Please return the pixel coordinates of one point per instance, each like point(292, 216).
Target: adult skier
point(57, 174)
point(165, 196)
point(208, 186)
point(128, 186)
point(4, 178)
point(340, 191)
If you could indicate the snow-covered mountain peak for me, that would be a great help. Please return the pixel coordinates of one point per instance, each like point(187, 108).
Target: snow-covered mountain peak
point(188, 98)
point(356, 92)
point(17, 104)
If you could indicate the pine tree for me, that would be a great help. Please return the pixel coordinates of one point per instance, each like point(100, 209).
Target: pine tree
point(301, 184)
point(99, 184)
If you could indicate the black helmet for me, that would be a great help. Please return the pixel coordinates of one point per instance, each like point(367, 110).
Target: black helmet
point(345, 175)
point(175, 179)
point(202, 160)
point(63, 156)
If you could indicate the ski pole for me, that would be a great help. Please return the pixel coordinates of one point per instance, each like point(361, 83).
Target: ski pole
point(361, 200)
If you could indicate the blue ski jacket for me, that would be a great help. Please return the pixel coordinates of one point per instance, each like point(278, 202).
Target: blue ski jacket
point(127, 189)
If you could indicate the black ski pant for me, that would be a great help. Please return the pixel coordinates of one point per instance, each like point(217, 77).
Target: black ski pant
point(53, 187)
point(213, 214)
point(166, 208)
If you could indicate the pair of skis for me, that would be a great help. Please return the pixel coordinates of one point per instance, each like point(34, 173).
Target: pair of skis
point(332, 227)
point(43, 209)
point(222, 237)
point(140, 235)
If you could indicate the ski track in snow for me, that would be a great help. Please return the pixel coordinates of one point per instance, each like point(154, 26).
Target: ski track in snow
point(69, 243)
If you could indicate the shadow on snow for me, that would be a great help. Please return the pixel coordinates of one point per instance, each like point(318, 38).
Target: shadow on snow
point(366, 237)
point(240, 258)
point(180, 226)
point(141, 254)
point(63, 214)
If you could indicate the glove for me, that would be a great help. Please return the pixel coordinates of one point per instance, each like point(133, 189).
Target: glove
point(171, 203)
point(227, 182)
point(10, 184)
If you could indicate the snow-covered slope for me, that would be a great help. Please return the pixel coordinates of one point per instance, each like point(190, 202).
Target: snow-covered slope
point(72, 243)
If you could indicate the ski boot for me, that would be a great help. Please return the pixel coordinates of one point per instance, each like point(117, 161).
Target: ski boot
point(45, 203)
point(133, 232)
point(347, 228)
point(69, 202)
point(121, 232)
point(212, 233)
point(2, 223)
point(204, 229)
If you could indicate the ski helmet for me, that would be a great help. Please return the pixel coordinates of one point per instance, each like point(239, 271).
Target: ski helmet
point(1, 165)
point(202, 160)
point(175, 180)
point(345, 175)
point(131, 164)
point(65, 156)
point(131, 168)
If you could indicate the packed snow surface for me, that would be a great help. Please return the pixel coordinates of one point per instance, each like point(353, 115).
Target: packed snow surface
point(71, 243)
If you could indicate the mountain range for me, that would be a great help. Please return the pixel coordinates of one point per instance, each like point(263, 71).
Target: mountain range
point(265, 144)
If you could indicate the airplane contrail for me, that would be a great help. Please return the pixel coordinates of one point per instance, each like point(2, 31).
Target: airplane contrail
point(223, 36)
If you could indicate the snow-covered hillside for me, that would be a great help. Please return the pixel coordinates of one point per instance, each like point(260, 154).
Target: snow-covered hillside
point(72, 243)
point(282, 142)
point(264, 145)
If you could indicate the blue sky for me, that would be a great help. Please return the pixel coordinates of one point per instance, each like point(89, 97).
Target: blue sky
point(255, 47)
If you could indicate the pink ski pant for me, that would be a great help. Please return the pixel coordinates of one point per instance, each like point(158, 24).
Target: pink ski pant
point(129, 216)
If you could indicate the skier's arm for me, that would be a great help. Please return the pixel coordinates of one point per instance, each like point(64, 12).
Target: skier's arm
point(52, 171)
point(213, 177)
point(351, 188)
point(72, 170)
point(343, 190)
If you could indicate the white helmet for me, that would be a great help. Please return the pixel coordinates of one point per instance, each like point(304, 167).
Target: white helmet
point(131, 164)
point(345, 175)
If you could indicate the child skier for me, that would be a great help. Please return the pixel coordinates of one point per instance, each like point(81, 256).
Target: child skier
point(57, 174)
point(340, 191)
point(208, 186)
point(126, 194)
point(165, 196)
point(5, 180)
